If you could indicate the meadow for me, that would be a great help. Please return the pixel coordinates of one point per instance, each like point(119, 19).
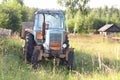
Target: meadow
point(95, 59)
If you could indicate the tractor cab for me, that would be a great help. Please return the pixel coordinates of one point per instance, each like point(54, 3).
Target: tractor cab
point(49, 29)
point(51, 19)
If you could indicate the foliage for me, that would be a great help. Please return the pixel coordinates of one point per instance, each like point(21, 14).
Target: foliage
point(75, 5)
point(79, 22)
point(13, 13)
point(70, 25)
point(80, 18)
point(85, 19)
point(30, 13)
point(12, 20)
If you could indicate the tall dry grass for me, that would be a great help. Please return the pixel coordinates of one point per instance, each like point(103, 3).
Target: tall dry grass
point(95, 59)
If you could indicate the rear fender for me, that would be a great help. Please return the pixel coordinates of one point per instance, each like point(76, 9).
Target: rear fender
point(24, 32)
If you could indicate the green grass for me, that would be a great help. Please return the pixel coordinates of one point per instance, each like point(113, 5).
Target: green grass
point(90, 55)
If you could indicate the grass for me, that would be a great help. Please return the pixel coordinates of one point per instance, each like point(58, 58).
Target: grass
point(95, 59)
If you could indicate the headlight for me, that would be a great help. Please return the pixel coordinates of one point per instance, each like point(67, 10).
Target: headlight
point(64, 45)
point(46, 46)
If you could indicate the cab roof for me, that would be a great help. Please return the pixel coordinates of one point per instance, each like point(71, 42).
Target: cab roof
point(48, 11)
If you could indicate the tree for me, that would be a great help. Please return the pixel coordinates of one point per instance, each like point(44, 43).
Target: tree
point(75, 5)
point(79, 22)
point(70, 25)
point(76, 10)
point(24, 13)
point(12, 15)
point(31, 12)
point(20, 2)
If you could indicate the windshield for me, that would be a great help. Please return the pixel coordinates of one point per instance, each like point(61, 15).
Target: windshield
point(51, 20)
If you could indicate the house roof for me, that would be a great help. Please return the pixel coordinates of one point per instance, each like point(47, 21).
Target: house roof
point(105, 27)
point(109, 28)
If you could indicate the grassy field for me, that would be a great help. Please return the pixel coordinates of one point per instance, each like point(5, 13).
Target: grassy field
point(95, 59)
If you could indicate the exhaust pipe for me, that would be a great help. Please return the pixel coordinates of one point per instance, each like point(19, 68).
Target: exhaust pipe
point(43, 27)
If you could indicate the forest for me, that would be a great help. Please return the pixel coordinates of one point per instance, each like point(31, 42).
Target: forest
point(80, 18)
point(13, 13)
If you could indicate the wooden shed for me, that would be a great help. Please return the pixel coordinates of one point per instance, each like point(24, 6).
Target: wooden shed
point(108, 29)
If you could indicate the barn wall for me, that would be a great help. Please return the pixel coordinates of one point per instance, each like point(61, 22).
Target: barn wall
point(103, 33)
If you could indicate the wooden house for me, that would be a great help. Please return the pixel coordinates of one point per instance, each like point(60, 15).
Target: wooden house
point(108, 29)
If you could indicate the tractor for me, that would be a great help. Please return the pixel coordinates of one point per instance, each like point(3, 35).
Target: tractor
point(47, 38)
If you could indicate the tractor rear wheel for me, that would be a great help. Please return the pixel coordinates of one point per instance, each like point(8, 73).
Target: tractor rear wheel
point(29, 45)
point(70, 60)
point(34, 58)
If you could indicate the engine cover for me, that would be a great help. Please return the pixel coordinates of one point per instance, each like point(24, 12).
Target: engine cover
point(54, 40)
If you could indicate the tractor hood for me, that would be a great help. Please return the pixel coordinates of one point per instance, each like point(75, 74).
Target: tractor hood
point(54, 39)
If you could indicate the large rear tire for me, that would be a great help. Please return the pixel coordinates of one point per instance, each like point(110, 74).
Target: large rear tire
point(70, 60)
point(29, 45)
point(34, 58)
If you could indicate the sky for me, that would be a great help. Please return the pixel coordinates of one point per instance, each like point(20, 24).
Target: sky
point(53, 3)
point(42, 3)
point(102, 3)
